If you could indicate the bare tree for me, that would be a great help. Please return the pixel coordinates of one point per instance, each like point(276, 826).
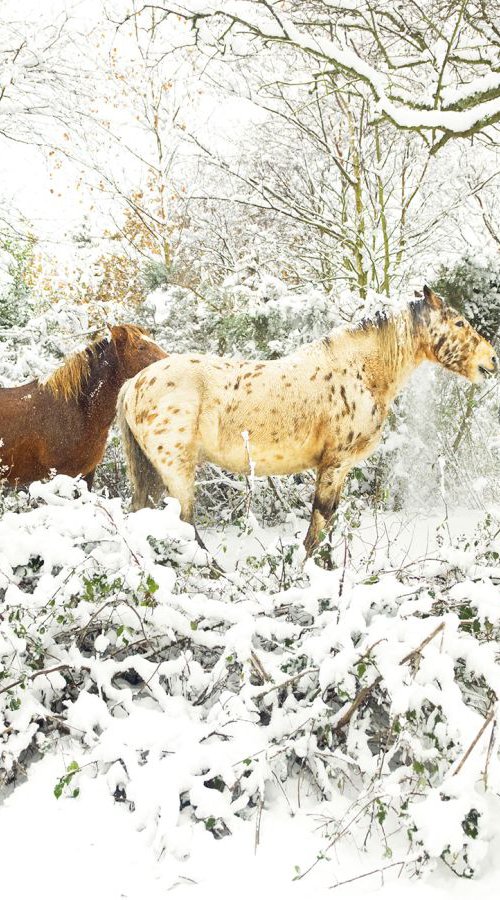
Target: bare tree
point(431, 67)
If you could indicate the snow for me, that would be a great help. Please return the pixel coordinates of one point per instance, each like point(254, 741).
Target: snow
point(261, 724)
point(152, 747)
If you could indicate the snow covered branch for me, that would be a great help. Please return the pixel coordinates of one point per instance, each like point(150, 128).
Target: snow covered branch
point(420, 71)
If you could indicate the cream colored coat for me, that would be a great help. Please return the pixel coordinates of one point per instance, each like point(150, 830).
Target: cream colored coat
point(322, 407)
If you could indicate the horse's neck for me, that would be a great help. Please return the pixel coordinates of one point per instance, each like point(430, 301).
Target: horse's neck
point(101, 390)
point(388, 356)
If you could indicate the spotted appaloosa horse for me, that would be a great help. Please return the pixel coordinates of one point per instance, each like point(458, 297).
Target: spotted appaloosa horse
point(62, 424)
point(323, 407)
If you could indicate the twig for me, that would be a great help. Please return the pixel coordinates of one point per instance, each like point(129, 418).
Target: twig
point(488, 754)
point(257, 824)
point(366, 691)
point(489, 718)
point(401, 862)
point(34, 675)
point(258, 667)
point(276, 687)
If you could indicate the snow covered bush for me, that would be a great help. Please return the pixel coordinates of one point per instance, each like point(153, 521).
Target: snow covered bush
point(191, 692)
point(472, 286)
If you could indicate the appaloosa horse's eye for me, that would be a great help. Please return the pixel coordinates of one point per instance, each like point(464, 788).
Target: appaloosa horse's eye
point(460, 323)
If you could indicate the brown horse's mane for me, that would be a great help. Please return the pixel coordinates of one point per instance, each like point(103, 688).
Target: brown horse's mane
point(69, 379)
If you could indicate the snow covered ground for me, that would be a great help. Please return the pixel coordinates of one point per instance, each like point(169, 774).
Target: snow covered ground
point(90, 848)
point(145, 750)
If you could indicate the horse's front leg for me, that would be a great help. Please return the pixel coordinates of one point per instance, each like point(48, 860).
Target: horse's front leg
point(329, 484)
point(89, 479)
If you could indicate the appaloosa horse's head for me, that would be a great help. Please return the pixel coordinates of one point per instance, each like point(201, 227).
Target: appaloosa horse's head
point(134, 349)
point(449, 339)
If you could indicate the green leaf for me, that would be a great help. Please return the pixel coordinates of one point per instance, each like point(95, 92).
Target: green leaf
point(152, 586)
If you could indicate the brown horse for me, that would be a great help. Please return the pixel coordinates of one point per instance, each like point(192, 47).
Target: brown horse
point(323, 407)
point(62, 424)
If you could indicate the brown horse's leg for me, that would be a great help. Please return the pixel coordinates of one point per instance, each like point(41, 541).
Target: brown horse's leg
point(329, 484)
point(89, 479)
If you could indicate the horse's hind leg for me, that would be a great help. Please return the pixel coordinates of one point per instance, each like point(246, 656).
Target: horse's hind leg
point(178, 477)
point(329, 484)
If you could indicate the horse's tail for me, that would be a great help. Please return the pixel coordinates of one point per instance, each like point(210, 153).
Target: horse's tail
point(147, 486)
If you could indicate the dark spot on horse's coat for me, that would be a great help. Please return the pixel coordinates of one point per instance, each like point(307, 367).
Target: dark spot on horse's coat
point(439, 344)
point(152, 380)
point(176, 410)
point(160, 447)
point(344, 398)
point(350, 436)
point(279, 456)
point(170, 383)
point(195, 360)
point(178, 445)
point(236, 384)
point(313, 377)
point(329, 376)
point(374, 409)
point(344, 372)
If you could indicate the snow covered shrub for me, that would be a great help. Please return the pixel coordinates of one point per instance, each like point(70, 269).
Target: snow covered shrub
point(191, 694)
point(442, 448)
point(247, 316)
point(473, 286)
point(15, 304)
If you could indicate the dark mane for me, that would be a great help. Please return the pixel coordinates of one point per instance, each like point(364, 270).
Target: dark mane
point(383, 318)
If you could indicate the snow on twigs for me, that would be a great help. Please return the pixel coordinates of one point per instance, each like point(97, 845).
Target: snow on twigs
point(191, 692)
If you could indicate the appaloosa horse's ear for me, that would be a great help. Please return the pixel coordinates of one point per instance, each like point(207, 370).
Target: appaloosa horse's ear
point(432, 298)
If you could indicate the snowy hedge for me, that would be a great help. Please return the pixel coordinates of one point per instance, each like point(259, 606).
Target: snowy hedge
point(192, 691)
